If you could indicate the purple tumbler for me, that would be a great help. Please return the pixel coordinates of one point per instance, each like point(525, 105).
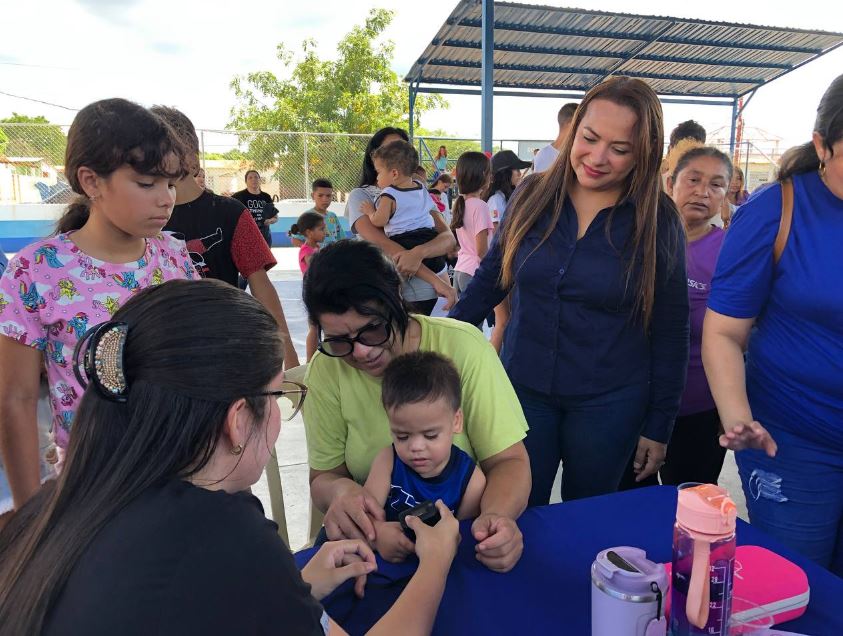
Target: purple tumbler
point(627, 594)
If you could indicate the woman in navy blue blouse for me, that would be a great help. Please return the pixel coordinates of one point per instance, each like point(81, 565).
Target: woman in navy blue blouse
point(783, 408)
point(593, 254)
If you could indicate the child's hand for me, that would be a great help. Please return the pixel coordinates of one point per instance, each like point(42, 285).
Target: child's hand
point(367, 208)
point(391, 542)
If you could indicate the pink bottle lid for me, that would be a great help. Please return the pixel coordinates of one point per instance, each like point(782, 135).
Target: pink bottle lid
point(706, 511)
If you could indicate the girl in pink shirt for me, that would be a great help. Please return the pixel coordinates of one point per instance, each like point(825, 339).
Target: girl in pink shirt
point(123, 162)
point(310, 225)
point(471, 220)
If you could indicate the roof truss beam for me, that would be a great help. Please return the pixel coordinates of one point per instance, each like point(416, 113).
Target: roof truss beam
point(551, 87)
point(579, 70)
point(621, 35)
point(644, 57)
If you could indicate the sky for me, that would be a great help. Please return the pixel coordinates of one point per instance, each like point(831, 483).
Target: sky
point(184, 53)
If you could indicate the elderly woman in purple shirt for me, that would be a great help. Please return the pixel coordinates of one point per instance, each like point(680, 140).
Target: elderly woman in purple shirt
point(698, 187)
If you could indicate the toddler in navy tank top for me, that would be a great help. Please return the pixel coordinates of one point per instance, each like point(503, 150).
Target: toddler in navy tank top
point(421, 395)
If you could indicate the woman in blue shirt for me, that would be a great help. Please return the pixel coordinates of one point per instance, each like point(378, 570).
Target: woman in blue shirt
point(785, 404)
point(594, 256)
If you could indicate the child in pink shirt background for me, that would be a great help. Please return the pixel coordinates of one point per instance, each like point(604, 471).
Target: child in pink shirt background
point(471, 220)
point(310, 225)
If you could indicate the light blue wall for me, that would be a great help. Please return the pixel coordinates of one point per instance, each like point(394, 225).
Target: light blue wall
point(16, 234)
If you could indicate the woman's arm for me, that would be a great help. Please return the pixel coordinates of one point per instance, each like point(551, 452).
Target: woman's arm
point(483, 293)
point(669, 346)
point(20, 374)
point(443, 244)
point(508, 484)
point(724, 341)
point(415, 610)
point(349, 508)
point(409, 262)
point(502, 312)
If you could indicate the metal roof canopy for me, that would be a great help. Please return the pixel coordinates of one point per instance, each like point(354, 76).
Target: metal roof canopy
point(541, 50)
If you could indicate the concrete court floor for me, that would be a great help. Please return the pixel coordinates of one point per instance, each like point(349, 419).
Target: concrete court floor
point(291, 448)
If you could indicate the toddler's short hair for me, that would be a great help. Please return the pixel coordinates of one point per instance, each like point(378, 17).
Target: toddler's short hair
point(398, 155)
point(420, 376)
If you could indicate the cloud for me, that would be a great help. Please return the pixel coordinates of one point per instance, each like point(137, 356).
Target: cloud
point(115, 11)
point(168, 48)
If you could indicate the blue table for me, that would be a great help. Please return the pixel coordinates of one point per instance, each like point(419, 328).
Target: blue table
point(549, 591)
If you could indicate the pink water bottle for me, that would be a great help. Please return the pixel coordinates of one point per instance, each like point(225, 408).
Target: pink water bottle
point(703, 561)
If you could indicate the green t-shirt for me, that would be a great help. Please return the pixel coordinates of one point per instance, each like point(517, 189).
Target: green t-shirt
point(345, 421)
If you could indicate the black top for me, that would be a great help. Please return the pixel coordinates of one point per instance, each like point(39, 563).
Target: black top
point(572, 330)
point(184, 560)
point(221, 237)
point(260, 205)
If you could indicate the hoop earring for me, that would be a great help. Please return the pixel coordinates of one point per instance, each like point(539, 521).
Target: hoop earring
point(822, 169)
point(237, 449)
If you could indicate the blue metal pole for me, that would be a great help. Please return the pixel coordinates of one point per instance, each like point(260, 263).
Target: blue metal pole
point(734, 127)
point(412, 110)
point(487, 88)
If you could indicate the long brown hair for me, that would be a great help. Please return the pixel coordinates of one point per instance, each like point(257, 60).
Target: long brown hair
point(169, 427)
point(642, 187)
point(473, 171)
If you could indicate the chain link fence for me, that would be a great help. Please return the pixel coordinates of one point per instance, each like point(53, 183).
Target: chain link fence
point(32, 160)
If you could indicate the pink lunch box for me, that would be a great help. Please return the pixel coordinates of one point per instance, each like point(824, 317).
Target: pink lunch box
point(778, 587)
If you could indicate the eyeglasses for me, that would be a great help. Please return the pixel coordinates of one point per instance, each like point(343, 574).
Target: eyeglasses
point(370, 335)
point(290, 398)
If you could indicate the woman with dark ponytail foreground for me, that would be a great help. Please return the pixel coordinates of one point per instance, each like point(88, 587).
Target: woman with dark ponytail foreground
point(778, 296)
point(150, 528)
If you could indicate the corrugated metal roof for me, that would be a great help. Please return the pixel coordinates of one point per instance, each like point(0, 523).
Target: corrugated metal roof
point(553, 48)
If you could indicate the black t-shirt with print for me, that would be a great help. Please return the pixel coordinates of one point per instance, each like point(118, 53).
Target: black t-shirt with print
point(180, 559)
point(207, 225)
point(261, 207)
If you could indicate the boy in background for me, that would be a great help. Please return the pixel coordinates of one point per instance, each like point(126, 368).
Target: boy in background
point(322, 193)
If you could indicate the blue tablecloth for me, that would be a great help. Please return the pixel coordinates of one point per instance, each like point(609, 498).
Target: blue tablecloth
point(549, 591)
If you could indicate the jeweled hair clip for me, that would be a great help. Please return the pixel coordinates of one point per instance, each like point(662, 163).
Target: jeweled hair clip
point(99, 354)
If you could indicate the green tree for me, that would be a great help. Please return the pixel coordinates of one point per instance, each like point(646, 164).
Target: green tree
point(358, 92)
point(32, 137)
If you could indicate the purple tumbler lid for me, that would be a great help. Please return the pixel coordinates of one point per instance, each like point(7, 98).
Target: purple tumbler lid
point(627, 573)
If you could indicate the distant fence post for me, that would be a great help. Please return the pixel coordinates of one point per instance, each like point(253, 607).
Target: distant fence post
point(306, 167)
point(202, 148)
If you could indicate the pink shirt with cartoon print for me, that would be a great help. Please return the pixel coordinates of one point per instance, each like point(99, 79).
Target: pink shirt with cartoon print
point(52, 292)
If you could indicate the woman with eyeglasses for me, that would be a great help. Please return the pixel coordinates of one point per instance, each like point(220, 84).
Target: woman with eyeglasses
point(150, 528)
point(352, 295)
